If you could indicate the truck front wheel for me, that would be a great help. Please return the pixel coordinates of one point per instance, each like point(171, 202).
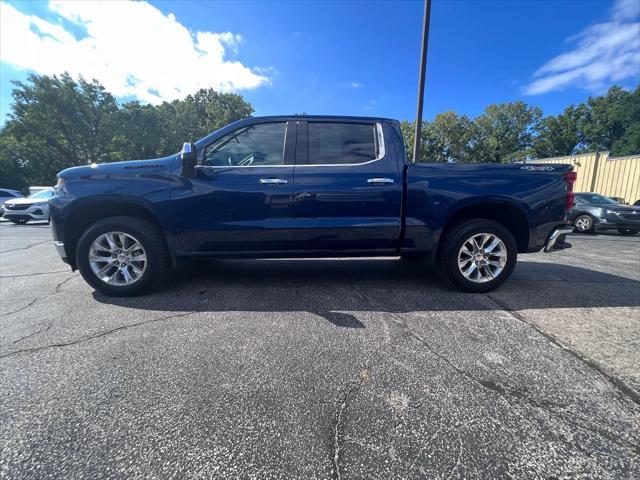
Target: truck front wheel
point(122, 256)
point(477, 255)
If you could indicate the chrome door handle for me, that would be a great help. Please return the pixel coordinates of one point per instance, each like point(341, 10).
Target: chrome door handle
point(380, 181)
point(273, 181)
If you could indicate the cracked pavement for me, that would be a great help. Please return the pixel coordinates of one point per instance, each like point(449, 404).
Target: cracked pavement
point(352, 368)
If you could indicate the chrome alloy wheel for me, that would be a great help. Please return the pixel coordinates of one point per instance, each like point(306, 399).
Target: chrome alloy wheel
point(117, 258)
point(482, 257)
point(583, 223)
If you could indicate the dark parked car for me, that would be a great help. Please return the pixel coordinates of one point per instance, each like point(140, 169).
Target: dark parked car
point(594, 212)
point(305, 186)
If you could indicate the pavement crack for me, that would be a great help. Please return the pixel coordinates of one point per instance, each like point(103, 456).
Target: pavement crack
point(88, 338)
point(57, 290)
point(342, 408)
point(508, 392)
point(43, 330)
point(624, 389)
point(458, 463)
point(23, 307)
point(27, 247)
point(34, 274)
point(337, 428)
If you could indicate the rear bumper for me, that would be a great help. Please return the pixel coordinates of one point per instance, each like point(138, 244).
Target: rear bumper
point(555, 240)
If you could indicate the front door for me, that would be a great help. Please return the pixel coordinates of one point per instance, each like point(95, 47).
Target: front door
point(239, 198)
point(347, 188)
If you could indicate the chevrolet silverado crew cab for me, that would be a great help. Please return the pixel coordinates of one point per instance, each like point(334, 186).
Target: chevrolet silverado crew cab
point(305, 186)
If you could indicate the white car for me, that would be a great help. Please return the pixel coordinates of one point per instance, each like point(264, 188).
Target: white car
point(33, 207)
point(7, 194)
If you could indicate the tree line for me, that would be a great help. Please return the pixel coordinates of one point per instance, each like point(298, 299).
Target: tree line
point(509, 132)
point(57, 122)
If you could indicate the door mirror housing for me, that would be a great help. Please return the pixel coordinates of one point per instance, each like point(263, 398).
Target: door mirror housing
point(189, 158)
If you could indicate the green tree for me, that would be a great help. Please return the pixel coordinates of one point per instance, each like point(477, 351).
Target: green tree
point(57, 122)
point(198, 115)
point(408, 131)
point(13, 172)
point(561, 134)
point(609, 117)
point(629, 144)
point(506, 132)
point(137, 133)
point(451, 138)
point(448, 138)
point(60, 123)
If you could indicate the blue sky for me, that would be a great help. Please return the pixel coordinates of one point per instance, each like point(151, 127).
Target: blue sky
point(350, 57)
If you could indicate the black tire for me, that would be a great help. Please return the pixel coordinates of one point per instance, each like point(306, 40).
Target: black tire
point(158, 262)
point(453, 240)
point(583, 224)
point(628, 231)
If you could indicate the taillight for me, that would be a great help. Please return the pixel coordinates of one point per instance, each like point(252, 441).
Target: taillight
point(570, 179)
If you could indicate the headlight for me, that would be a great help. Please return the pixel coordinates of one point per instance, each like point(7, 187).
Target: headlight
point(610, 211)
point(59, 185)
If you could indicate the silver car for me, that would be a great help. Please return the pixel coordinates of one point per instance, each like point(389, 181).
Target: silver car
point(7, 194)
point(33, 207)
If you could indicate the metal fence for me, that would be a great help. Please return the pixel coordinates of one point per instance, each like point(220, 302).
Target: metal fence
point(598, 173)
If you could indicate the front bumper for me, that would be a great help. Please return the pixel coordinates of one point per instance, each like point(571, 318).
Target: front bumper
point(556, 239)
point(31, 213)
point(608, 225)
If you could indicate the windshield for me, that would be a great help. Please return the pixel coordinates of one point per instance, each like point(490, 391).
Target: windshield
point(43, 194)
point(596, 199)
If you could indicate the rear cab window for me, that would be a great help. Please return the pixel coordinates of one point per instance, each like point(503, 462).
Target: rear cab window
point(342, 143)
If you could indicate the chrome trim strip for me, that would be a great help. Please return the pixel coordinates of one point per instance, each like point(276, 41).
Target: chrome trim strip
point(553, 238)
point(381, 154)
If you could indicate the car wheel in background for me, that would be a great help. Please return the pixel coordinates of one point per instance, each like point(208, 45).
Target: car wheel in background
point(628, 231)
point(583, 224)
point(122, 256)
point(478, 255)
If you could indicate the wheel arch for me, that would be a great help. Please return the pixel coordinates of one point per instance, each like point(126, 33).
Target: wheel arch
point(88, 212)
point(509, 215)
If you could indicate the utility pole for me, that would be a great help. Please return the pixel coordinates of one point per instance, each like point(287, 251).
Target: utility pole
point(423, 69)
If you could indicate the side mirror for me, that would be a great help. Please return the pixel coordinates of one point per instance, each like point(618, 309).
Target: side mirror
point(189, 158)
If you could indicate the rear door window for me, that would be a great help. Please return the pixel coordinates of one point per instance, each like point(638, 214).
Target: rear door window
point(341, 143)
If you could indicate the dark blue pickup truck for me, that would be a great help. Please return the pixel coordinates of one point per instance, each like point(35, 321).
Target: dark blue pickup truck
point(305, 186)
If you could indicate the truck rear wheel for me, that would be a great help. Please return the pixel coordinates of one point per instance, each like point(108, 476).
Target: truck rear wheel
point(477, 256)
point(122, 256)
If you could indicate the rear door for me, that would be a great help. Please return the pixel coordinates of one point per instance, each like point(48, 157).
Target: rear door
point(347, 192)
point(239, 198)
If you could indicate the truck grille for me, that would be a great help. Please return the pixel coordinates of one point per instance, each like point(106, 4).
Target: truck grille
point(19, 206)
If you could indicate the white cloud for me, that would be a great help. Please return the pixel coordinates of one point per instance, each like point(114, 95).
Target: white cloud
point(130, 47)
point(356, 85)
point(603, 54)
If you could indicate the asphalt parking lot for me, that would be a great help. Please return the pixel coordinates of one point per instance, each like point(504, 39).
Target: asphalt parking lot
point(355, 368)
